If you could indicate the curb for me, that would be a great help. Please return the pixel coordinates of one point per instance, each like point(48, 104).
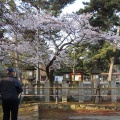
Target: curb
point(79, 106)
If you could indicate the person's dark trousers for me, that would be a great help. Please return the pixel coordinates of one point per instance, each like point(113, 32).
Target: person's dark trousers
point(10, 108)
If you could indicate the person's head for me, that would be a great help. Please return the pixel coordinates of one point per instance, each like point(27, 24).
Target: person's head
point(10, 71)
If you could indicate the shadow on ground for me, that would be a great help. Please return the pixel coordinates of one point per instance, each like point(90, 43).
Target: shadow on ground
point(26, 112)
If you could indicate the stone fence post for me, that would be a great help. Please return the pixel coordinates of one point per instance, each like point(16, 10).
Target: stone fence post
point(113, 90)
point(64, 91)
point(80, 91)
point(47, 91)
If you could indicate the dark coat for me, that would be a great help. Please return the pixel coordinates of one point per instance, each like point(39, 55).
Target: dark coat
point(10, 87)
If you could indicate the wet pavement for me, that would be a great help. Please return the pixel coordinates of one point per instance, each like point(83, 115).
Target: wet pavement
point(97, 117)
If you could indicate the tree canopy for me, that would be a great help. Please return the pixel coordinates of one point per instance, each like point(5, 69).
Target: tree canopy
point(106, 12)
point(40, 37)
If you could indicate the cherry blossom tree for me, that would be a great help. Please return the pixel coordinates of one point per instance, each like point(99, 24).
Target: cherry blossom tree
point(51, 36)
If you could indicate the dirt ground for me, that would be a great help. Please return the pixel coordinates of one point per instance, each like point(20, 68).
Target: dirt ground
point(27, 111)
point(79, 115)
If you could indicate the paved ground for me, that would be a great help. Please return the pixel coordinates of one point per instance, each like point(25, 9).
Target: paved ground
point(113, 116)
point(94, 118)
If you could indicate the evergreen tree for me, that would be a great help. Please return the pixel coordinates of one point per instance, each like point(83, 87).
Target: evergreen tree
point(54, 6)
point(106, 17)
point(105, 12)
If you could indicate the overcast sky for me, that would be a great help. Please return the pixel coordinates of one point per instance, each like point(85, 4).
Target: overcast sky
point(74, 7)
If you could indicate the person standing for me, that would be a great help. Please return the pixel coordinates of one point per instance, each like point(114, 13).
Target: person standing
point(10, 88)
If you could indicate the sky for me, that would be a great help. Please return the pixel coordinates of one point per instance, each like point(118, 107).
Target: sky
point(75, 6)
point(72, 7)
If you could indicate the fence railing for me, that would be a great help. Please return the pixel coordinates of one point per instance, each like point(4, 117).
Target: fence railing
point(72, 94)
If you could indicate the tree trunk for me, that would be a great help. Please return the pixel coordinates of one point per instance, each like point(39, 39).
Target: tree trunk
point(111, 67)
point(51, 79)
point(18, 73)
point(51, 90)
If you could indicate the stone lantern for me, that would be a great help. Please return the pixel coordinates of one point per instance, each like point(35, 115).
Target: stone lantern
point(30, 72)
point(96, 85)
point(95, 75)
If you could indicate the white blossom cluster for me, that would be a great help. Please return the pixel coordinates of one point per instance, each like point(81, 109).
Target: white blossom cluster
point(58, 33)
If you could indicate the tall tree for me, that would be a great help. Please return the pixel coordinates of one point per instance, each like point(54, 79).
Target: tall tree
point(70, 30)
point(105, 12)
point(57, 32)
point(106, 17)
